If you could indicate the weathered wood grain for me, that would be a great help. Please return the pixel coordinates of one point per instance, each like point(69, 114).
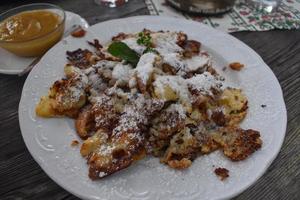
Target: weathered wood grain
point(22, 178)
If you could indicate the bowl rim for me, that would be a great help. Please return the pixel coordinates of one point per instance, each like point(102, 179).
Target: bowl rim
point(33, 6)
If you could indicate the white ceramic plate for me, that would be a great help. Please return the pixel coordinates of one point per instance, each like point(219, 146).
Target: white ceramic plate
point(48, 140)
point(12, 64)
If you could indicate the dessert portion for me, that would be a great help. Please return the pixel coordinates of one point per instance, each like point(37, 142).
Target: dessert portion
point(149, 93)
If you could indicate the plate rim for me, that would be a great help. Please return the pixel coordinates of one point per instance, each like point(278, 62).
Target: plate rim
point(146, 17)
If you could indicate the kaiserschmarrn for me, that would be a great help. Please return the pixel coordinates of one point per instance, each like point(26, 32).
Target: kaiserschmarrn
point(149, 93)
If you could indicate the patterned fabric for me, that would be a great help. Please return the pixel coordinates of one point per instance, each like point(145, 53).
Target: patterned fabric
point(241, 18)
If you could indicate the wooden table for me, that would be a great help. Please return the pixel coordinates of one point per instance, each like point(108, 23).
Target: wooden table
point(22, 178)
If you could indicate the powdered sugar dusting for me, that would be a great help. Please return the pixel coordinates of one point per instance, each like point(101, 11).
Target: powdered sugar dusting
point(197, 62)
point(204, 83)
point(105, 149)
point(136, 116)
point(178, 108)
point(72, 89)
point(201, 82)
point(166, 42)
point(176, 83)
point(174, 60)
point(130, 123)
point(76, 93)
point(132, 43)
point(122, 72)
point(102, 174)
point(104, 63)
point(100, 100)
point(185, 65)
point(145, 66)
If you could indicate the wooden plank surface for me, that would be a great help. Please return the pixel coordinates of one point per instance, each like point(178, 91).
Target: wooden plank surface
point(22, 178)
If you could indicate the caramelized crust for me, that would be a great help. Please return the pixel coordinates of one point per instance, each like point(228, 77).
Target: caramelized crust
point(114, 156)
point(191, 48)
point(96, 44)
point(219, 118)
point(236, 66)
point(120, 37)
point(182, 150)
point(181, 39)
point(169, 122)
point(180, 164)
point(223, 173)
point(80, 58)
point(85, 123)
point(79, 32)
point(238, 144)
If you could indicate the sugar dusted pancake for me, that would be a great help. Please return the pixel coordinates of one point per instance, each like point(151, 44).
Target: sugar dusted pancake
point(158, 94)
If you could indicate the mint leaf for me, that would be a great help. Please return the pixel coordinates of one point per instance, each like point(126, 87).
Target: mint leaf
point(121, 50)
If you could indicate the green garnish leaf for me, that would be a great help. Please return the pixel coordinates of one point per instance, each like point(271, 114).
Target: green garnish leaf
point(145, 40)
point(121, 50)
